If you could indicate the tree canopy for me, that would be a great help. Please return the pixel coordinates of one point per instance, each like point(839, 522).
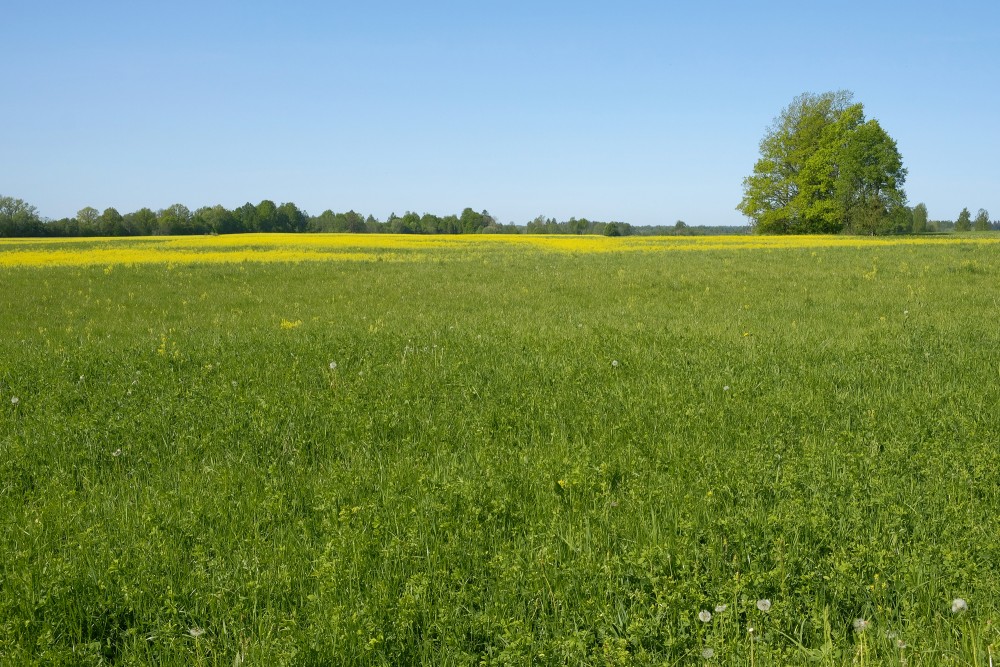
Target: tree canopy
point(824, 169)
point(964, 221)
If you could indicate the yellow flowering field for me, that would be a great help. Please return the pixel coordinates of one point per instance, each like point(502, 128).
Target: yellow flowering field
point(394, 247)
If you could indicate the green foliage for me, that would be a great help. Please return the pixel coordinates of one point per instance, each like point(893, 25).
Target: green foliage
point(17, 218)
point(111, 223)
point(920, 218)
point(186, 479)
point(964, 222)
point(982, 221)
point(823, 169)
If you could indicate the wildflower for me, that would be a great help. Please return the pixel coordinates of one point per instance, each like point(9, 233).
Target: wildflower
point(860, 625)
point(719, 608)
point(704, 616)
point(614, 364)
point(959, 605)
point(117, 452)
point(764, 605)
point(707, 653)
point(196, 632)
point(900, 644)
point(333, 365)
point(750, 630)
point(14, 400)
point(726, 388)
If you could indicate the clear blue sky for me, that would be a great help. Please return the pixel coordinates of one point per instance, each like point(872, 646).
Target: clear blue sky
point(646, 112)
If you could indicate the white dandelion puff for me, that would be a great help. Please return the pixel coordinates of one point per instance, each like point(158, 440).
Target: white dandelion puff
point(708, 653)
point(14, 400)
point(900, 644)
point(959, 605)
point(333, 365)
point(725, 388)
point(196, 632)
point(719, 608)
point(117, 452)
point(860, 625)
point(764, 605)
point(614, 364)
point(704, 616)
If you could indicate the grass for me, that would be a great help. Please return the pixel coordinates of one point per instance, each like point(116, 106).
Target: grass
point(526, 453)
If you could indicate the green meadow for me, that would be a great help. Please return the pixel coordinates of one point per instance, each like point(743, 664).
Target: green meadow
point(514, 456)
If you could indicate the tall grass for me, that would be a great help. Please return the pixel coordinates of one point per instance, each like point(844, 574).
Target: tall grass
point(505, 457)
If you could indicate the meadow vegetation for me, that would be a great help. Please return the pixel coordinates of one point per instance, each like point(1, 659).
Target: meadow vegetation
point(384, 450)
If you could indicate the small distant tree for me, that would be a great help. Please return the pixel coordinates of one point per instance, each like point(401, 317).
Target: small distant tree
point(964, 222)
point(920, 218)
point(175, 219)
point(982, 221)
point(267, 216)
point(141, 222)
point(17, 217)
point(88, 217)
point(111, 223)
point(612, 229)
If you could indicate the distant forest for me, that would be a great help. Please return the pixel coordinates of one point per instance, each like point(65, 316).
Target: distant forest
point(20, 219)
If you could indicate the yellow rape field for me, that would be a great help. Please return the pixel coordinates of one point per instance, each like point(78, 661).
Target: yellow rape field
point(394, 247)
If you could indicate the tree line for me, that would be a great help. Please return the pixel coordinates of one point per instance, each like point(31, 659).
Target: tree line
point(20, 219)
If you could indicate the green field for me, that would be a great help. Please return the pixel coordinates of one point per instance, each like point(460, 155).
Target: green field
point(513, 456)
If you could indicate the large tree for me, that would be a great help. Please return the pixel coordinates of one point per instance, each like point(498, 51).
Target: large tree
point(824, 169)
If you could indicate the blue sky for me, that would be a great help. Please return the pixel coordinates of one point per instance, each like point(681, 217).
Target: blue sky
point(646, 112)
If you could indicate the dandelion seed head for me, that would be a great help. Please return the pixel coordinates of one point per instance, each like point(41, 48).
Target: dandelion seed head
point(764, 605)
point(704, 616)
point(900, 644)
point(14, 400)
point(117, 452)
point(196, 632)
point(860, 625)
point(333, 365)
point(614, 364)
point(725, 388)
point(707, 653)
point(719, 608)
point(959, 605)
